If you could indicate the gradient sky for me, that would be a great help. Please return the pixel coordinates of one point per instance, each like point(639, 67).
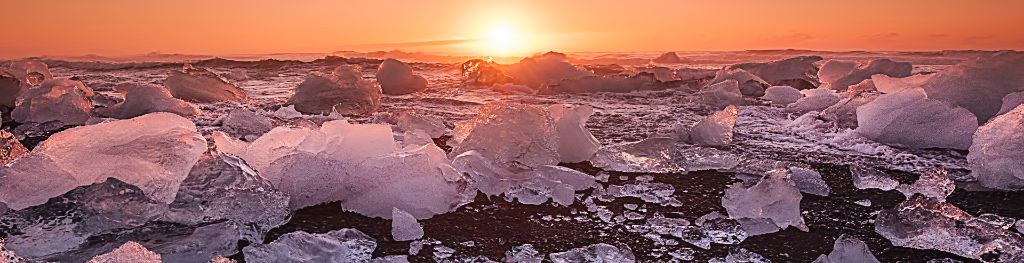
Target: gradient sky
point(128, 27)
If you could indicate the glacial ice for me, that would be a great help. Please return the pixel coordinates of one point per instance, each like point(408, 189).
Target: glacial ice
point(343, 91)
point(934, 184)
point(997, 151)
point(10, 89)
point(483, 73)
point(721, 95)
point(848, 250)
point(404, 226)
point(980, 84)
point(808, 181)
point(927, 223)
point(1011, 101)
point(596, 253)
point(200, 85)
point(243, 123)
point(575, 143)
point(523, 254)
point(844, 113)
point(775, 197)
point(533, 187)
point(747, 83)
point(667, 58)
point(868, 178)
point(652, 155)
point(912, 119)
point(10, 148)
point(550, 67)
point(741, 255)
point(814, 100)
point(610, 83)
point(408, 121)
point(840, 76)
point(887, 84)
point(715, 129)
point(340, 246)
point(129, 252)
point(142, 99)
point(782, 95)
point(62, 101)
point(154, 152)
point(514, 136)
point(798, 72)
point(33, 73)
point(396, 78)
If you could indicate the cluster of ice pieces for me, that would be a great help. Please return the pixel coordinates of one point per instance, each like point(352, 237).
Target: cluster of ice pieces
point(543, 69)
point(396, 78)
point(979, 85)
point(201, 85)
point(747, 83)
point(840, 75)
point(798, 72)
point(343, 91)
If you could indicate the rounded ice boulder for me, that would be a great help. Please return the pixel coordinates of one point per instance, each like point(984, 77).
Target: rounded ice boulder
point(141, 99)
point(396, 78)
point(201, 85)
point(910, 118)
point(343, 91)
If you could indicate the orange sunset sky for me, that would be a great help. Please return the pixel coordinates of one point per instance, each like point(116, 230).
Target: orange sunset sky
point(128, 27)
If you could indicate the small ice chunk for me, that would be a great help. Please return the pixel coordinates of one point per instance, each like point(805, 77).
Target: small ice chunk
point(748, 84)
point(154, 152)
point(287, 112)
point(484, 73)
point(596, 253)
point(758, 226)
point(720, 230)
point(782, 95)
point(63, 101)
point(343, 91)
point(575, 143)
point(391, 259)
point(721, 95)
point(926, 223)
point(141, 99)
point(935, 184)
point(815, 100)
point(404, 226)
point(201, 85)
point(523, 254)
point(515, 136)
point(867, 178)
point(848, 250)
point(129, 252)
point(799, 72)
point(742, 255)
point(839, 75)
point(10, 148)
point(346, 245)
point(910, 118)
point(775, 197)
point(996, 153)
point(808, 181)
point(980, 84)
point(396, 78)
point(715, 129)
point(243, 123)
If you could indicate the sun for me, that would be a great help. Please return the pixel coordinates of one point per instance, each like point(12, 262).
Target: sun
point(503, 40)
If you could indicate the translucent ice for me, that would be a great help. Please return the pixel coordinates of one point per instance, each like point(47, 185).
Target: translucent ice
point(934, 184)
point(887, 84)
point(396, 78)
point(407, 121)
point(29, 72)
point(808, 181)
point(534, 186)
point(979, 85)
point(243, 123)
point(343, 91)
point(63, 101)
point(775, 197)
point(129, 252)
point(523, 254)
point(814, 100)
point(10, 89)
point(653, 155)
point(799, 72)
point(848, 250)
point(926, 223)
point(346, 245)
point(715, 129)
point(912, 119)
point(404, 226)
point(549, 67)
point(10, 148)
point(782, 95)
point(997, 150)
point(844, 113)
point(867, 178)
point(596, 253)
point(721, 95)
point(747, 83)
point(839, 75)
point(201, 85)
point(575, 143)
point(515, 136)
point(141, 99)
point(154, 152)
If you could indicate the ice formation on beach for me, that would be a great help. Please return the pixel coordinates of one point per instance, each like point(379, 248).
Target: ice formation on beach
point(980, 84)
point(814, 100)
point(997, 152)
point(546, 68)
point(129, 252)
point(201, 85)
point(343, 91)
point(535, 186)
point(848, 250)
point(243, 123)
point(927, 223)
point(870, 178)
point(782, 95)
point(10, 148)
point(887, 84)
point(840, 75)
point(29, 72)
point(154, 152)
point(715, 129)
point(809, 181)
point(934, 184)
point(774, 197)
point(55, 103)
point(404, 226)
point(409, 121)
point(595, 253)
point(722, 94)
point(346, 245)
point(396, 78)
point(142, 99)
point(1011, 101)
point(10, 89)
point(798, 72)
point(747, 83)
point(910, 118)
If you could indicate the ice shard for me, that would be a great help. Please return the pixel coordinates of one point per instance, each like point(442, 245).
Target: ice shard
point(154, 152)
point(515, 136)
point(575, 143)
point(721, 95)
point(934, 184)
point(396, 78)
point(243, 123)
point(715, 129)
point(142, 99)
point(848, 250)
point(775, 197)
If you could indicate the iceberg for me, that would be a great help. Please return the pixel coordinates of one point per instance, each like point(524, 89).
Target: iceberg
point(979, 85)
point(996, 152)
point(839, 75)
point(154, 152)
point(142, 99)
point(912, 119)
point(201, 85)
point(396, 78)
point(798, 72)
point(343, 91)
point(62, 101)
point(346, 245)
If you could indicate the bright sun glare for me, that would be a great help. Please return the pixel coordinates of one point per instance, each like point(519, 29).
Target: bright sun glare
point(503, 40)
